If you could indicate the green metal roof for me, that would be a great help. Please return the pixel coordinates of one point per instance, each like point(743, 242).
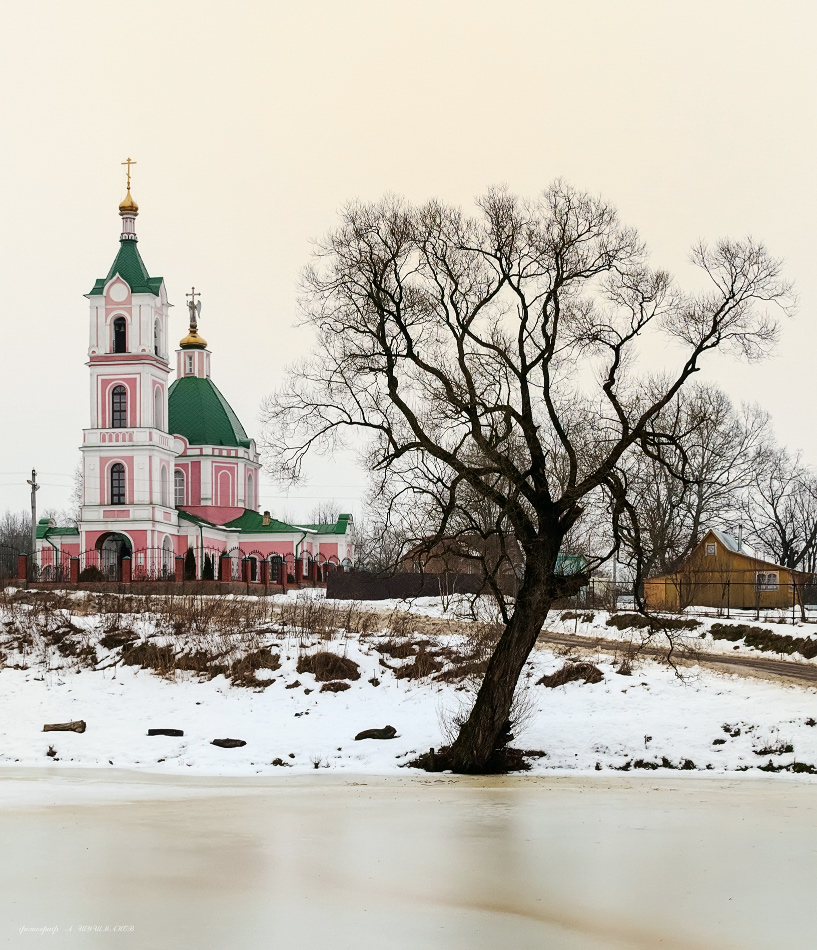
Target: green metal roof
point(131, 268)
point(52, 531)
point(251, 522)
point(339, 527)
point(198, 411)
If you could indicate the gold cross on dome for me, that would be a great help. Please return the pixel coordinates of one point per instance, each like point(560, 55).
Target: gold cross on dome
point(129, 162)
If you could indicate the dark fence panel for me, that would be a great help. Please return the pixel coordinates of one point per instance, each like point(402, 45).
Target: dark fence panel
point(153, 564)
point(8, 562)
point(49, 566)
point(359, 585)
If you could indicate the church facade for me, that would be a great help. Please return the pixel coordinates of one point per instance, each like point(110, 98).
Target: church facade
point(167, 465)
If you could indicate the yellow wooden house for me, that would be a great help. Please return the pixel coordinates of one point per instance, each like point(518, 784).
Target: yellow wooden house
point(722, 572)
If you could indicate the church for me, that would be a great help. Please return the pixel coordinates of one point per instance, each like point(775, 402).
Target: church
point(167, 466)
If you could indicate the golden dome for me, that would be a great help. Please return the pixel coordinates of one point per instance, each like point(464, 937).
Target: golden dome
point(193, 340)
point(129, 206)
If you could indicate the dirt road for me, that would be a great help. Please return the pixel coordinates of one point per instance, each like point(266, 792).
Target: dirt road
point(765, 667)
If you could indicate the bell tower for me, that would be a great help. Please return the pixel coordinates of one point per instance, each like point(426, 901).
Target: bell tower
point(127, 451)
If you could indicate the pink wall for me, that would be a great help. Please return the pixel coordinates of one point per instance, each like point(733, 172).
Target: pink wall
point(215, 514)
point(224, 484)
point(195, 472)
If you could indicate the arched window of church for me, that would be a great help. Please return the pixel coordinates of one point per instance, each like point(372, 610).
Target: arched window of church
point(118, 484)
point(165, 488)
point(119, 407)
point(178, 487)
point(158, 408)
point(120, 342)
point(156, 339)
point(250, 488)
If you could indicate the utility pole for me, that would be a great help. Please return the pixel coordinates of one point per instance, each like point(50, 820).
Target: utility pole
point(34, 489)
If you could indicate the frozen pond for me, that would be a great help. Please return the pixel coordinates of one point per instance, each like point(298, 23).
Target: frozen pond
point(411, 864)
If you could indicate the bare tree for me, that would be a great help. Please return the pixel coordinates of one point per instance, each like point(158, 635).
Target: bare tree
point(15, 531)
point(325, 512)
point(675, 504)
point(780, 507)
point(497, 355)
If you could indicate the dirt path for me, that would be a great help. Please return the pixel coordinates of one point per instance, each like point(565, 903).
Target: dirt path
point(763, 667)
point(759, 666)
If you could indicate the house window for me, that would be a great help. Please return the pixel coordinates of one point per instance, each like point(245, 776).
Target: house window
point(120, 335)
point(711, 550)
point(189, 364)
point(767, 581)
point(119, 407)
point(156, 346)
point(118, 484)
point(178, 487)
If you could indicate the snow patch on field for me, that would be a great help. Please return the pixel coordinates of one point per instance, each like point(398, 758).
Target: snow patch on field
point(707, 720)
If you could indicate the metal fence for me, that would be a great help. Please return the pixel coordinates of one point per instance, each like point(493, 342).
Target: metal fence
point(8, 562)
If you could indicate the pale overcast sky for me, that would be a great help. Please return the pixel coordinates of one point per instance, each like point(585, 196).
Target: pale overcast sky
point(253, 122)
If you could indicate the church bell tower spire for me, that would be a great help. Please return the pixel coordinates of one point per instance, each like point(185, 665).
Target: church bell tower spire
point(128, 210)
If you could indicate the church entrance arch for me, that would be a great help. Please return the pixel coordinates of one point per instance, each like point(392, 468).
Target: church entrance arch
point(112, 548)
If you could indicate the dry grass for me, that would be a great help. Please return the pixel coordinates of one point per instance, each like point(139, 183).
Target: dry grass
point(325, 666)
point(208, 636)
point(570, 673)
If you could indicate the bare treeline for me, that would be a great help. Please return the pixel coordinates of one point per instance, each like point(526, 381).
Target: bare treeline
point(730, 475)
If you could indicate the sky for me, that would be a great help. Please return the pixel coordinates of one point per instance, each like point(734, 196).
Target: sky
point(253, 123)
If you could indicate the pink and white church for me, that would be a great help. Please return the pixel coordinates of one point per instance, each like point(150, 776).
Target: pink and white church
point(167, 466)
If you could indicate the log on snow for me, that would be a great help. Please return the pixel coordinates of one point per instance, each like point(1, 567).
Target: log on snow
point(78, 726)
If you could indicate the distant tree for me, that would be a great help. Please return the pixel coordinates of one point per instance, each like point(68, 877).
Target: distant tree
point(325, 512)
point(497, 357)
point(780, 508)
point(673, 505)
point(15, 531)
point(189, 565)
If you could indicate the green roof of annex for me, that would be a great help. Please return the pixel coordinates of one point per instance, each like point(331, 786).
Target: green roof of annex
point(251, 522)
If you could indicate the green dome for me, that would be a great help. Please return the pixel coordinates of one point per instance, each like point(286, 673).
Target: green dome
point(198, 411)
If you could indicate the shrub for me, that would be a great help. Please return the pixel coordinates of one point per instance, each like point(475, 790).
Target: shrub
point(571, 672)
point(336, 686)
point(208, 572)
point(91, 574)
point(764, 640)
point(642, 622)
point(424, 664)
point(189, 565)
point(325, 666)
point(243, 670)
point(150, 657)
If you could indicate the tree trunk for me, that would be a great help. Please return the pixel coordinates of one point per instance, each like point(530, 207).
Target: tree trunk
point(479, 736)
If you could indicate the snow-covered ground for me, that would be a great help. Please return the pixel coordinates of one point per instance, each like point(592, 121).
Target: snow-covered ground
point(595, 623)
point(651, 717)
